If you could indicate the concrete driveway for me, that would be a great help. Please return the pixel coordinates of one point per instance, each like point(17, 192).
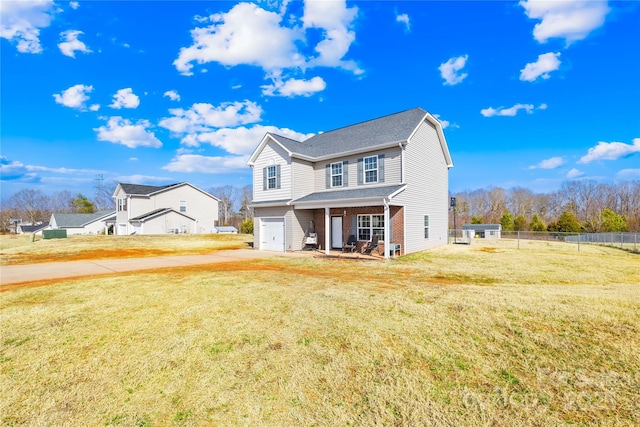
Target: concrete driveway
point(59, 270)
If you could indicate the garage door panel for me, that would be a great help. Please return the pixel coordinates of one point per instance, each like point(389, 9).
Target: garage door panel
point(272, 234)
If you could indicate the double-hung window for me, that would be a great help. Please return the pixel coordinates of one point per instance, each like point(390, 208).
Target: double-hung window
point(369, 226)
point(271, 177)
point(122, 205)
point(336, 174)
point(183, 205)
point(370, 169)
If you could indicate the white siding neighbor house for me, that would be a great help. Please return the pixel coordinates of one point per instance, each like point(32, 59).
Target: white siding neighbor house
point(175, 208)
point(482, 231)
point(386, 177)
point(81, 223)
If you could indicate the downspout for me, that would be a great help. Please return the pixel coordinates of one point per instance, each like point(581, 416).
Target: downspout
point(327, 230)
point(387, 229)
point(402, 151)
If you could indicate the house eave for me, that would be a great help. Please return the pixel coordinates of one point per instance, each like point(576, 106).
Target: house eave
point(349, 152)
point(265, 139)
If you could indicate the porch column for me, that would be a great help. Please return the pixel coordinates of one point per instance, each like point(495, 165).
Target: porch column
point(327, 231)
point(387, 231)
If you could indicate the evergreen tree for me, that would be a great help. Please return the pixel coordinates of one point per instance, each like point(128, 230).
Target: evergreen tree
point(611, 221)
point(567, 223)
point(537, 224)
point(476, 220)
point(520, 223)
point(82, 205)
point(507, 221)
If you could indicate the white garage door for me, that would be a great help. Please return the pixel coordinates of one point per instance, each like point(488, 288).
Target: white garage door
point(272, 234)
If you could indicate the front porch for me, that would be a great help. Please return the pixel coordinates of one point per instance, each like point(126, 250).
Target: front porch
point(333, 227)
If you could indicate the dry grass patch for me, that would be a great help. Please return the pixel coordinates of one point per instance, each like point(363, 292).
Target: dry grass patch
point(20, 250)
point(316, 342)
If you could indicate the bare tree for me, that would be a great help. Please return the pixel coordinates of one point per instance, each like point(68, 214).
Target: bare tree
point(228, 196)
point(102, 199)
point(61, 201)
point(32, 205)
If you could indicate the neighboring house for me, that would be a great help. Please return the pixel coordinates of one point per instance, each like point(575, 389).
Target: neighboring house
point(175, 208)
point(226, 229)
point(28, 228)
point(386, 177)
point(482, 231)
point(81, 223)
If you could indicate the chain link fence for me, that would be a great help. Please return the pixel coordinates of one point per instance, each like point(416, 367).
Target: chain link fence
point(626, 241)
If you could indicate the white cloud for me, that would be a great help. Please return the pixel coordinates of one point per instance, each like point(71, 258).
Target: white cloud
point(74, 5)
point(247, 34)
point(445, 123)
point(574, 173)
point(628, 174)
point(552, 163)
point(571, 20)
point(546, 63)
point(122, 131)
point(450, 70)
point(125, 98)
point(133, 159)
point(196, 163)
point(203, 117)
point(242, 140)
point(403, 18)
point(335, 19)
point(294, 87)
point(143, 179)
point(11, 169)
point(511, 111)
point(94, 107)
point(74, 97)
point(250, 35)
point(172, 95)
point(71, 44)
point(21, 21)
point(610, 151)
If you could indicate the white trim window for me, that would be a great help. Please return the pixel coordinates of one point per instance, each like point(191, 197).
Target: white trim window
point(426, 226)
point(336, 174)
point(272, 175)
point(370, 169)
point(183, 205)
point(369, 226)
point(122, 205)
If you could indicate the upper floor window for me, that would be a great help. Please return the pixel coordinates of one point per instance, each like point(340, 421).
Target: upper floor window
point(271, 177)
point(183, 205)
point(122, 205)
point(336, 174)
point(371, 169)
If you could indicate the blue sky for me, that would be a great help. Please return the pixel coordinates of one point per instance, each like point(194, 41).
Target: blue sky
point(530, 93)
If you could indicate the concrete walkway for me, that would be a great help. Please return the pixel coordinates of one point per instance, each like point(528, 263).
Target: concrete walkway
point(58, 270)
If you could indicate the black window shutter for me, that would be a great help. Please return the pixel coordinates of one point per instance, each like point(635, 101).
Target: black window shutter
point(264, 179)
point(345, 173)
point(354, 226)
point(381, 168)
point(327, 176)
point(360, 171)
point(277, 176)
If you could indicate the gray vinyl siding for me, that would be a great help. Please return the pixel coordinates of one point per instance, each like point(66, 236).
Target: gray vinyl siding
point(300, 224)
point(272, 154)
point(427, 190)
point(301, 178)
point(392, 167)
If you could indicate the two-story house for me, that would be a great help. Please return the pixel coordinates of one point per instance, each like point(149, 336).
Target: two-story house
point(175, 208)
point(386, 177)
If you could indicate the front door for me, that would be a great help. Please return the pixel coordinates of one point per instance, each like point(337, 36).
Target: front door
point(336, 232)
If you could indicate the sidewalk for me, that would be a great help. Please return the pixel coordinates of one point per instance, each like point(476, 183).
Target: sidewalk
point(10, 274)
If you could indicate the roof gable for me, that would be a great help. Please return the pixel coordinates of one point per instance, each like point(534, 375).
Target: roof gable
point(372, 134)
point(78, 220)
point(150, 190)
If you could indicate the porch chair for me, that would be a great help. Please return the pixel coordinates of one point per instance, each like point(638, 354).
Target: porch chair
point(350, 244)
point(370, 246)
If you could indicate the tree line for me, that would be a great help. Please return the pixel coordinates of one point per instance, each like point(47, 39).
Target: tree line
point(581, 205)
point(578, 206)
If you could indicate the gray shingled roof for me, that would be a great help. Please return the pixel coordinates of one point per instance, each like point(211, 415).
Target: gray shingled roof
point(481, 227)
point(356, 193)
point(77, 220)
point(156, 212)
point(33, 228)
point(144, 189)
point(369, 134)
